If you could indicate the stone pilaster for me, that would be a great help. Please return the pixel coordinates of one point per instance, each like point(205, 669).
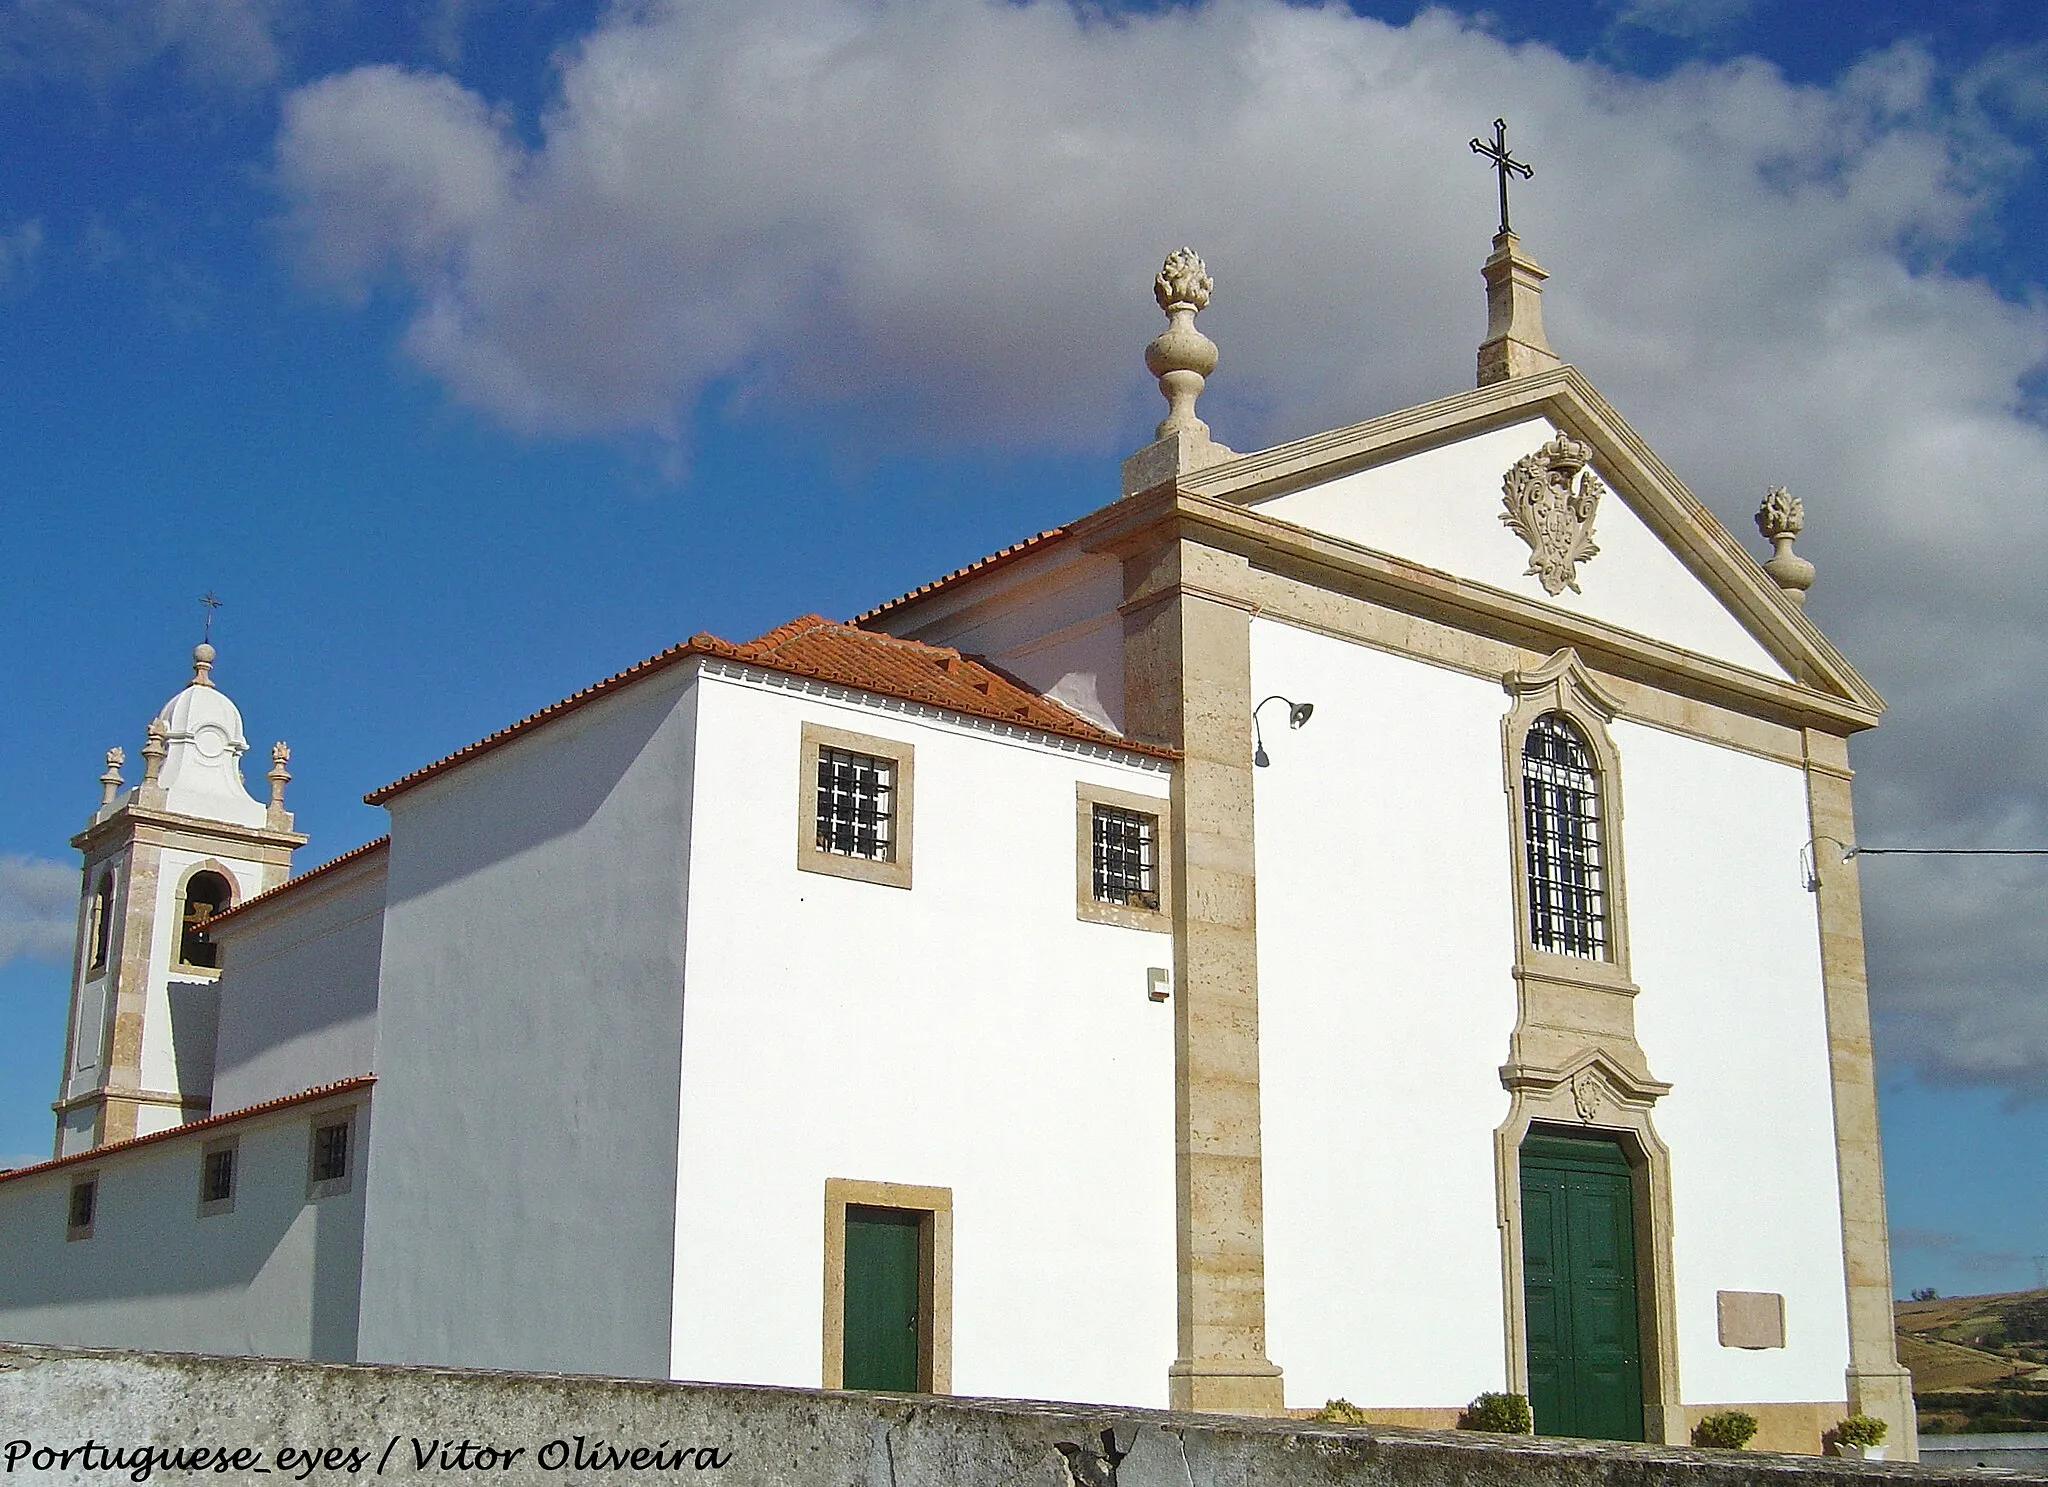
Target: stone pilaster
point(1877, 1385)
point(1187, 684)
point(122, 1068)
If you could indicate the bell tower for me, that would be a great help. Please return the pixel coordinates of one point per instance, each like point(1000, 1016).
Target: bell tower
point(185, 842)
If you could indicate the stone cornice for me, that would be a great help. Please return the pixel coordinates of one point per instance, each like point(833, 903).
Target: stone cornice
point(1335, 563)
point(1830, 687)
point(154, 825)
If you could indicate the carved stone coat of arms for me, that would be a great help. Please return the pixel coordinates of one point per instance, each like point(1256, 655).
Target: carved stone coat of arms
point(1551, 497)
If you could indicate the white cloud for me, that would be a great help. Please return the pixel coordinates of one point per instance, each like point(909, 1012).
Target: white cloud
point(38, 907)
point(935, 222)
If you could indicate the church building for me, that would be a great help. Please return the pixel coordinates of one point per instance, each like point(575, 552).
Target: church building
point(1364, 918)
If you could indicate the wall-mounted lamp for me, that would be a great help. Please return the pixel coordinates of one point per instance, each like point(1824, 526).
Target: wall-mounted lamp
point(1298, 713)
point(1809, 859)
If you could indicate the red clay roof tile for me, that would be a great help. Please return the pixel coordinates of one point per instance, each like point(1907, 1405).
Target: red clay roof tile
point(212, 1122)
point(845, 655)
point(300, 881)
point(998, 559)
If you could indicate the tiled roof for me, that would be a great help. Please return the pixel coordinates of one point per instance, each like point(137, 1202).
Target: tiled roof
point(1000, 559)
point(300, 881)
point(844, 655)
point(318, 1092)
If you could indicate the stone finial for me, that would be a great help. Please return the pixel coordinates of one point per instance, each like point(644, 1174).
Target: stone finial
point(279, 777)
point(110, 781)
point(1515, 345)
point(153, 750)
point(1781, 518)
point(1180, 356)
point(202, 665)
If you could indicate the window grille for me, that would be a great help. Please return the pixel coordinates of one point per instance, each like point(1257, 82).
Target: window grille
point(330, 1152)
point(1561, 837)
point(1126, 853)
point(84, 1196)
point(856, 804)
point(217, 1177)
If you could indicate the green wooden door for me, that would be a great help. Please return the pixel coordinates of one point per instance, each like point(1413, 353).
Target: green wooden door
point(882, 1298)
point(1579, 1289)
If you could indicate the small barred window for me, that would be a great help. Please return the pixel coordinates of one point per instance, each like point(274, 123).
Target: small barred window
point(1561, 837)
point(856, 805)
point(84, 1203)
point(217, 1179)
point(330, 1152)
point(1126, 858)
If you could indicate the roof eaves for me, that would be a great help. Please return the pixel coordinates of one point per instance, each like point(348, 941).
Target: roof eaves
point(998, 559)
point(1080, 728)
point(210, 1123)
point(696, 645)
point(268, 894)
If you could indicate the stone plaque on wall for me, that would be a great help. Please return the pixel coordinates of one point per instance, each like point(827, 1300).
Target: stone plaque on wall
point(1751, 1319)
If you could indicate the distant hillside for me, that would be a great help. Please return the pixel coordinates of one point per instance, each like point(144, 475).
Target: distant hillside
point(1979, 1363)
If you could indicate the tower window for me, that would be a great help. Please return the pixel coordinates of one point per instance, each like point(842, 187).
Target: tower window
point(1562, 839)
point(99, 932)
point(206, 894)
point(1126, 858)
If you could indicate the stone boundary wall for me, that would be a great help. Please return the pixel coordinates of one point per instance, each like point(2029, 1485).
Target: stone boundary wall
point(117, 1414)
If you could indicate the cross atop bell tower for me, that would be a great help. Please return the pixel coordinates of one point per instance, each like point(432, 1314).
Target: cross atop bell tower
point(1515, 344)
point(186, 841)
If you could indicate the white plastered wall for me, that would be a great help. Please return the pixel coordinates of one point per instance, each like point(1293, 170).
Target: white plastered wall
point(1442, 508)
point(1726, 949)
point(969, 1033)
point(1385, 948)
point(529, 1021)
point(276, 1277)
point(1385, 1005)
point(181, 1009)
point(298, 989)
point(1050, 619)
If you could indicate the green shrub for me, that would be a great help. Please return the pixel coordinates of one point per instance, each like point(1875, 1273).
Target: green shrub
point(1730, 1430)
point(1860, 1430)
point(1506, 1413)
point(1340, 1412)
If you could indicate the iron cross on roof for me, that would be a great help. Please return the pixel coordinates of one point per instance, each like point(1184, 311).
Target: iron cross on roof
point(1503, 162)
point(211, 604)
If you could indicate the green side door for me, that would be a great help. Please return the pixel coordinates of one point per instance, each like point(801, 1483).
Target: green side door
point(882, 1298)
point(1579, 1289)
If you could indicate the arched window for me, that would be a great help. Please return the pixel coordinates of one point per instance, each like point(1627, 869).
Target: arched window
point(1561, 836)
point(206, 893)
point(99, 931)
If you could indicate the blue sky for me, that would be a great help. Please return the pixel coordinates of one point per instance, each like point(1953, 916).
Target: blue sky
point(474, 351)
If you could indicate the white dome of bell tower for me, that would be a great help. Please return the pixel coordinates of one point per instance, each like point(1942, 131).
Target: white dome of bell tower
point(203, 744)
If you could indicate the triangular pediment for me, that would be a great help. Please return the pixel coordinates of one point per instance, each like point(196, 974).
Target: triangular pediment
point(1425, 487)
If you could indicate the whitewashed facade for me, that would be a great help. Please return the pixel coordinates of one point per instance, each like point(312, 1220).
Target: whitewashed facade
point(643, 1053)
